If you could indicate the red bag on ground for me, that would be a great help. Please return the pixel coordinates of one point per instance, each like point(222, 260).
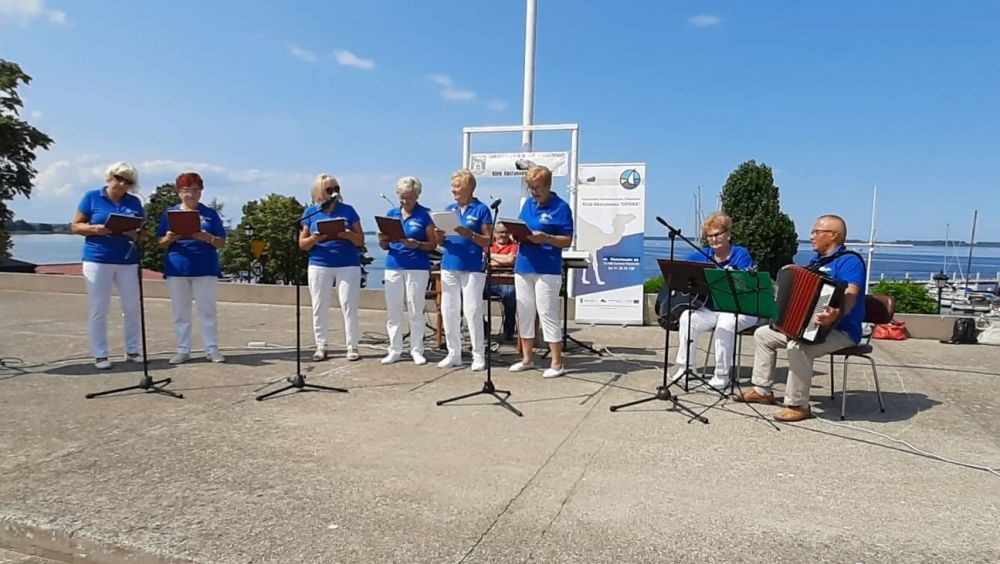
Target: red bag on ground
point(892, 331)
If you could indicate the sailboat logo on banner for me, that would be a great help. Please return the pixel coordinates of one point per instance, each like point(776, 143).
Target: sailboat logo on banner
point(630, 179)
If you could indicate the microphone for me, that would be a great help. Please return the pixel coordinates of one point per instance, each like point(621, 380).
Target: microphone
point(662, 222)
point(328, 204)
point(383, 196)
point(495, 204)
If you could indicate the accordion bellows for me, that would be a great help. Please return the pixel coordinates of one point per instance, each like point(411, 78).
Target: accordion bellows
point(801, 294)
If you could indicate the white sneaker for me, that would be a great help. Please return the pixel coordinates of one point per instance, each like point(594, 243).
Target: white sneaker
point(179, 358)
point(391, 358)
point(521, 367)
point(102, 363)
point(215, 356)
point(677, 377)
point(478, 363)
point(450, 361)
point(418, 358)
point(133, 357)
point(554, 372)
point(720, 383)
point(320, 354)
point(352, 354)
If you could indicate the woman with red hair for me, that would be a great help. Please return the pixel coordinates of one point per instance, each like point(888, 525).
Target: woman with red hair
point(191, 266)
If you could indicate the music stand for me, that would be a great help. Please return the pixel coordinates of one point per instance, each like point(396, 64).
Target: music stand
point(146, 383)
point(678, 275)
point(741, 293)
point(488, 388)
point(298, 382)
point(569, 263)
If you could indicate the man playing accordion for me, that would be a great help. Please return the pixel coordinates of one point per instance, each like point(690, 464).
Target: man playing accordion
point(833, 260)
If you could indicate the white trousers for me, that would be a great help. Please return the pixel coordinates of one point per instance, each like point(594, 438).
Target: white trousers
point(99, 278)
point(321, 282)
point(538, 293)
point(203, 290)
point(462, 294)
point(725, 325)
point(405, 287)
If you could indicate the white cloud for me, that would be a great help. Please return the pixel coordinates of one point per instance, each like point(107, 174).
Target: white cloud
point(497, 105)
point(448, 90)
point(22, 12)
point(301, 54)
point(346, 58)
point(704, 20)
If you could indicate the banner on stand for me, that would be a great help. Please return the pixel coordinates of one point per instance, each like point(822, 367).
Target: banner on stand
point(610, 210)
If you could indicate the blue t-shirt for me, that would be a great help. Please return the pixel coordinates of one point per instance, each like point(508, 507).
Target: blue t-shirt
point(739, 259)
point(553, 217)
point(334, 252)
point(191, 257)
point(850, 268)
point(461, 253)
point(400, 256)
point(97, 207)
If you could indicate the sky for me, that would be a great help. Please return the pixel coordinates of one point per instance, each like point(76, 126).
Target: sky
point(260, 97)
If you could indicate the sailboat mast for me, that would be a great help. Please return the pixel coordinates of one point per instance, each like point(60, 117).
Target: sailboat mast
point(871, 238)
point(972, 244)
point(947, 229)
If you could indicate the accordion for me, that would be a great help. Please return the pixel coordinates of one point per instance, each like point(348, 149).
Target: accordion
point(801, 294)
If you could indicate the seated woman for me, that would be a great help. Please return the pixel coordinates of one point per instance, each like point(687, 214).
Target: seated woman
point(716, 229)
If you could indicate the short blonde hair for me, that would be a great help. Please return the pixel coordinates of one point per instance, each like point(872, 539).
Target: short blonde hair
point(466, 176)
point(123, 170)
point(320, 184)
point(409, 184)
point(539, 173)
point(717, 220)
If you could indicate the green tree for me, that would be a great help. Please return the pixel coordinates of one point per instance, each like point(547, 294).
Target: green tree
point(911, 297)
point(751, 198)
point(162, 198)
point(273, 218)
point(18, 142)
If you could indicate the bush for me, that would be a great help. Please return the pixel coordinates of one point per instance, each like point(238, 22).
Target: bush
point(752, 199)
point(911, 297)
point(652, 285)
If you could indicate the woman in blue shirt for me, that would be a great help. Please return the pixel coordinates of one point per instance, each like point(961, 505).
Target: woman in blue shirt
point(333, 261)
point(110, 259)
point(191, 266)
point(407, 269)
point(538, 269)
point(717, 230)
point(462, 271)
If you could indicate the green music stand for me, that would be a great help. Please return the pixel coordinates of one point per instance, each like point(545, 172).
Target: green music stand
point(741, 293)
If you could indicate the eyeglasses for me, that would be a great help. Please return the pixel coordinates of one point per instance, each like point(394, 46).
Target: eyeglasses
point(715, 235)
point(333, 189)
point(818, 231)
point(190, 189)
point(123, 180)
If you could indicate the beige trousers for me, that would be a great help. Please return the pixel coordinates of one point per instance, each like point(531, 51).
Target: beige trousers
point(800, 361)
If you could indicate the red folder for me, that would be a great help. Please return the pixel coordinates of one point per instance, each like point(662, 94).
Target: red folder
point(331, 227)
point(118, 223)
point(391, 227)
point(184, 223)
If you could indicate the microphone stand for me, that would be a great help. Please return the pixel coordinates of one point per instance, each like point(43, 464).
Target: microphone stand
point(488, 387)
point(146, 383)
point(298, 382)
point(663, 390)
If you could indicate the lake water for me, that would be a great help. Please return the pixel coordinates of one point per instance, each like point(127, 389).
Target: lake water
point(894, 263)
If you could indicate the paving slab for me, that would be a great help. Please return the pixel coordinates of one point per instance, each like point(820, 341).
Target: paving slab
point(382, 474)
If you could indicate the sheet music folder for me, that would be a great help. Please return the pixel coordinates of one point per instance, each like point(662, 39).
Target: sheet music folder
point(754, 292)
point(331, 227)
point(184, 222)
point(391, 227)
point(517, 229)
point(119, 224)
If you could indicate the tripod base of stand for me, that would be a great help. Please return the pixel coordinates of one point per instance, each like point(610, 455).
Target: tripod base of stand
point(663, 394)
point(147, 384)
point(490, 390)
point(298, 382)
